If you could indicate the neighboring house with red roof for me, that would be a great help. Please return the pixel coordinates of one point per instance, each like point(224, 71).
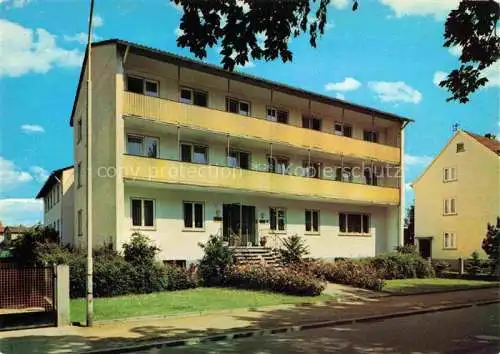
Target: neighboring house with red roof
point(2, 229)
point(457, 196)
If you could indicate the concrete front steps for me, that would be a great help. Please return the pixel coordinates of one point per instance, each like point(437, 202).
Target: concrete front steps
point(256, 255)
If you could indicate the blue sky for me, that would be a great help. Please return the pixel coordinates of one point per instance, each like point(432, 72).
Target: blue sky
point(386, 55)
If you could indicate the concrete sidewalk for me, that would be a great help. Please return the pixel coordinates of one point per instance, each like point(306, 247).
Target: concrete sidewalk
point(114, 335)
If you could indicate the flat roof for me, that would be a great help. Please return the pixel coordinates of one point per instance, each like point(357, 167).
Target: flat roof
point(164, 56)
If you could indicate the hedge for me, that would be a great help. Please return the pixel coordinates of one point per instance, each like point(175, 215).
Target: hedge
point(401, 266)
point(281, 280)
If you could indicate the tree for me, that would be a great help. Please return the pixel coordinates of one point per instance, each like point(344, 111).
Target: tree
point(294, 250)
point(253, 29)
point(491, 245)
point(409, 232)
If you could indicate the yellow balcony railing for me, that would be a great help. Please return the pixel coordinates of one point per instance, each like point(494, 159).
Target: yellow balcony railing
point(220, 122)
point(284, 186)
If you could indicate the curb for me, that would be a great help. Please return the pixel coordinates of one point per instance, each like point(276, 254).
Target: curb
point(481, 287)
point(297, 328)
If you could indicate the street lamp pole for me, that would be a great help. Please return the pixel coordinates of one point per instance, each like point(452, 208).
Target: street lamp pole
point(90, 295)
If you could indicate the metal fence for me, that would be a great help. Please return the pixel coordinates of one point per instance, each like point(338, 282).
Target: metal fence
point(26, 288)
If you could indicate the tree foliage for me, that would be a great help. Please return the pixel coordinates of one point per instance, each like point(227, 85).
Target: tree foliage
point(253, 29)
point(294, 250)
point(491, 245)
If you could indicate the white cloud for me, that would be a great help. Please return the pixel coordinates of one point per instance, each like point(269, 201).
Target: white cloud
point(32, 128)
point(16, 211)
point(415, 160)
point(247, 65)
point(245, 7)
point(492, 73)
point(408, 187)
point(39, 173)
point(178, 32)
point(97, 21)
point(437, 8)
point(329, 25)
point(349, 84)
point(339, 4)
point(23, 52)
point(15, 3)
point(178, 7)
point(12, 176)
point(456, 51)
point(340, 96)
point(396, 91)
point(81, 37)
point(438, 77)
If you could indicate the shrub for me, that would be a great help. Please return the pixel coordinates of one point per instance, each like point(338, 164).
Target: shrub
point(140, 251)
point(440, 267)
point(217, 260)
point(407, 249)
point(293, 251)
point(491, 245)
point(401, 266)
point(285, 281)
point(30, 248)
point(348, 272)
point(474, 265)
point(180, 279)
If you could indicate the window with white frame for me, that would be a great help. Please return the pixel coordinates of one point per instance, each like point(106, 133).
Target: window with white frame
point(192, 96)
point(194, 153)
point(449, 174)
point(354, 223)
point(79, 174)
point(449, 240)
point(449, 206)
point(311, 123)
point(312, 220)
point(238, 159)
point(277, 115)
point(237, 106)
point(193, 215)
point(143, 86)
point(142, 212)
point(277, 219)
point(277, 164)
point(79, 222)
point(140, 145)
point(343, 129)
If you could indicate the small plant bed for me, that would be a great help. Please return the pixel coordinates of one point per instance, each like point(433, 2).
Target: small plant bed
point(183, 301)
point(427, 285)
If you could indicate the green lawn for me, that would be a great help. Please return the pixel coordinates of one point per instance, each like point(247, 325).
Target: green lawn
point(184, 301)
point(413, 286)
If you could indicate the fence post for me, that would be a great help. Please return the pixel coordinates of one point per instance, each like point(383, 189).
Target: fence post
point(62, 295)
point(461, 266)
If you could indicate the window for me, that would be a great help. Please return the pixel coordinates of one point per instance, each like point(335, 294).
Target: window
point(143, 212)
point(234, 105)
point(354, 223)
point(190, 96)
point(238, 159)
point(58, 192)
point(194, 153)
point(193, 215)
point(343, 130)
point(311, 123)
point(79, 222)
point(277, 115)
point(79, 131)
point(277, 164)
point(143, 86)
point(45, 203)
point(142, 146)
point(370, 135)
point(449, 206)
point(79, 174)
point(277, 218)
point(312, 169)
point(312, 220)
point(449, 174)
point(449, 240)
point(371, 176)
point(58, 225)
point(460, 147)
point(344, 174)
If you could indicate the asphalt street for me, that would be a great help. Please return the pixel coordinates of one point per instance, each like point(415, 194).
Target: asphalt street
point(471, 330)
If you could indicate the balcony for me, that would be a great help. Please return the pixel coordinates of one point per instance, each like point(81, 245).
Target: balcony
point(220, 122)
point(172, 172)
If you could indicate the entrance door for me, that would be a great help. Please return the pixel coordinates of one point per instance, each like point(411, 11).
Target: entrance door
point(238, 224)
point(425, 247)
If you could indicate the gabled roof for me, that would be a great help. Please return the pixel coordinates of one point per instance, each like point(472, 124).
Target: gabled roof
point(161, 55)
point(491, 144)
point(54, 177)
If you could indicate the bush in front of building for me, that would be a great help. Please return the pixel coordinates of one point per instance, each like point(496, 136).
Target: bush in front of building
point(180, 279)
point(440, 267)
point(348, 272)
point(280, 280)
point(216, 262)
point(293, 250)
point(401, 266)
